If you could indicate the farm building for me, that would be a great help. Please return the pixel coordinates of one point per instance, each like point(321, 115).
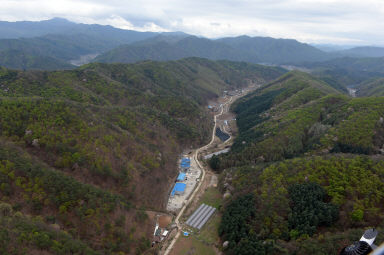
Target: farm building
point(178, 189)
point(181, 177)
point(165, 233)
point(157, 231)
point(185, 163)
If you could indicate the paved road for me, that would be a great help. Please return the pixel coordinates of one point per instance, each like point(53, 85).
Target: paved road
point(196, 158)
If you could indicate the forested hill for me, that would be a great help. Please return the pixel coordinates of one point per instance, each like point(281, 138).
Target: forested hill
point(305, 171)
point(83, 153)
point(273, 120)
point(372, 87)
point(349, 72)
point(243, 48)
point(17, 59)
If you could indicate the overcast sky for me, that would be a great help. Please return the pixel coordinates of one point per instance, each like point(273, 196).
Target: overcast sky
point(354, 22)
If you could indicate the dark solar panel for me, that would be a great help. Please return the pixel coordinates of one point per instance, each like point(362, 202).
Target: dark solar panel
point(223, 136)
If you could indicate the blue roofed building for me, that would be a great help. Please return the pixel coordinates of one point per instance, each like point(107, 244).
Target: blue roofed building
point(181, 177)
point(185, 163)
point(178, 189)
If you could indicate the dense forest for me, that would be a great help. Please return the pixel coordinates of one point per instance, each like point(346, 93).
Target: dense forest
point(371, 88)
point(348, 71)
point(305, 171)
point(83, 151)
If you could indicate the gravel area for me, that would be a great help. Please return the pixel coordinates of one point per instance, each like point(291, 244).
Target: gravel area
point(176, 202)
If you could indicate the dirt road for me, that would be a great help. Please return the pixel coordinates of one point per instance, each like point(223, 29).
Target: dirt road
point(195, 157)
point(225, 106)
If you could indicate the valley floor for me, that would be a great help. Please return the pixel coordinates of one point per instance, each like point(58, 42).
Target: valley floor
point(205, 241)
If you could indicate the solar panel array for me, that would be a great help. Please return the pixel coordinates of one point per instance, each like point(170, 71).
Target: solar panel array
point(222, 135)
point(200, 216)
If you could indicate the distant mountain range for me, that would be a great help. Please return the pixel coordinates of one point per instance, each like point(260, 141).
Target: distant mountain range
point(243, 48)
point(57, 43)
point(25, 29)
point(60, 40)
point(361, 52)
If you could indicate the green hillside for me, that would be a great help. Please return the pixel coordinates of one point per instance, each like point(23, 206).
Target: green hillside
point(87, 149)
point(15, 59)
point(371, 88)
point(309, 159)
point(23, 234)
point(346, 72)
point(273, 120)
point(313, 205)
point(297, 115)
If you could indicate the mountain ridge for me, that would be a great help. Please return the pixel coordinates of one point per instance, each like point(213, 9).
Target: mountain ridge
point(298, 173)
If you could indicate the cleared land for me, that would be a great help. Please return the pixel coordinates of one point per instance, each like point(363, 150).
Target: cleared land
point(176, 202)
point(205, 241)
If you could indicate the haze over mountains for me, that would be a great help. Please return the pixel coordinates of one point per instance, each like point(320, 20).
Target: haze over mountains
point(56, 43)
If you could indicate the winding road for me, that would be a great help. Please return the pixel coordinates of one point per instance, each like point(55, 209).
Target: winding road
point(196, 158)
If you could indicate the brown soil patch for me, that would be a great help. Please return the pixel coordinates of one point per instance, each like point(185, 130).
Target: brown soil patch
point(164, 221)
point(182, 245)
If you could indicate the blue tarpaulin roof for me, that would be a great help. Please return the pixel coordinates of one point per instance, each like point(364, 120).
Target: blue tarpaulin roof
point(185, 162)
point(181, 177)
point(178, 187)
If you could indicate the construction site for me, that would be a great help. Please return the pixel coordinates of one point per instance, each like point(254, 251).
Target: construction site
point(189, 174)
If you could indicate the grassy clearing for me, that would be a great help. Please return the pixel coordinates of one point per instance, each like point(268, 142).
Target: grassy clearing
point(190, 246)
point(212, 197)
point(202, 242)
point(209, 234)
